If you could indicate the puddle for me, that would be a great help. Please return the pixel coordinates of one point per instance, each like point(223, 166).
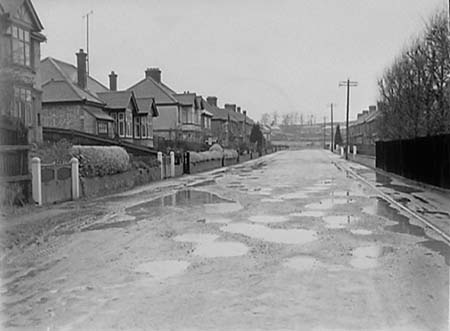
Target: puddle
point(361, 232)
point(309, 213)
point(221, 249)
point(261, 191)
point(293, 196)
point(268, 219)
point(387, 182)
point(302, 263)
point(219, 220)
point(162, 269)
point(337, 221)
point(367, 257)
point(204, 183)
point(282, 236)
point(196, 237)
point(181, 198)
point(327, 204)
point(407, 228)
point(112, 225)
point(271, 200)
point(421, 199)
point(222, 208)
point(439, 247)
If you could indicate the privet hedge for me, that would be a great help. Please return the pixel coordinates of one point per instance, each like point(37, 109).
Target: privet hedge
point(101, 160)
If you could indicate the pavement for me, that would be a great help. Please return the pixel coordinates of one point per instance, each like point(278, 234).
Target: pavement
point(296, 240)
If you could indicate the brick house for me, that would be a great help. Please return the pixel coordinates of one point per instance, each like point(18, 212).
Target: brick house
point(20, 92)
point(69, 99)
point(363, 131)
point(205, 121)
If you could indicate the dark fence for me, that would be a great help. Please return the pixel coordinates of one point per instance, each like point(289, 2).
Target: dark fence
point(424, 159)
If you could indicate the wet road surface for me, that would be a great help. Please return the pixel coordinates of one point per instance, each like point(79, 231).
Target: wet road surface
point(289, 241)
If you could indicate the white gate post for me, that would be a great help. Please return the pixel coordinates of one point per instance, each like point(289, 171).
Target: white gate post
point(75, 178)
point(36, 182)
point(172, 164)
point(161, 165)
point(354, 150)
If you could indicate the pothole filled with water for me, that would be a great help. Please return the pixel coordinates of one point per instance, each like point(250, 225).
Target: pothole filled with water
point(294, 196)
point(162, 269)
point(222, 208)
point(361, 232)
point(337, 221)
point(181, 198)
point(268, 219)
point(196, 237)
point(302, 263)
point(367, 257)
point(220, 249)
point(327, 204)
point(282, 236)
point(309, 213)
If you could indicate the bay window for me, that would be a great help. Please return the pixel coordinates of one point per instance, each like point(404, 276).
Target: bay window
point(121, 124)
point(23, 105)
point(20, 45)
point(137, 127)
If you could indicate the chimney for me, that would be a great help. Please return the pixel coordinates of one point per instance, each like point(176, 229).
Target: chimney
point(231, 107)
point(212, 101)
point(244, 112)
point(365, 112)
point(113, 81)
point(372, 109)
point(81, 69)
point(154, 73)
point(239, 110)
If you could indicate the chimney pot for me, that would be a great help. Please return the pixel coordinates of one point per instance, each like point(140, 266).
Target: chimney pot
point(154, 73)
point(113, 81)
point(239, 110)
point(212, 101)
point(81, 69)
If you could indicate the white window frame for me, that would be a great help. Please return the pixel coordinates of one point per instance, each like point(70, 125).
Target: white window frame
point(121, 125)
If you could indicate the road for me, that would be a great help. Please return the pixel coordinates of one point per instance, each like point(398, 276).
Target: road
point(290, 241)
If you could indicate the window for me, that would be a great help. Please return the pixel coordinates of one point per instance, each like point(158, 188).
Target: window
point(121, 124)
point(137, 127)
point(21, 46)
point(102, 127)
point(129, 123)
point(144, 126)
point(23, 105)
point(149, 128)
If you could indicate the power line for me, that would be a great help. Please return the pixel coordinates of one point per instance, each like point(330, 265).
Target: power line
point(348, 84)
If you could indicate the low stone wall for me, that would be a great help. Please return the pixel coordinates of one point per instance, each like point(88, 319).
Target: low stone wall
point(229, 162)
point(98, 186)
point(204, 166)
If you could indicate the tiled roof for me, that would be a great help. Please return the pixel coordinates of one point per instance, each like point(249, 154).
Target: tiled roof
point(148, 88)
point(64, 91)
point(70, 72)
point(148, 104)
point(185, 99)
point(98, 113)
point(117, 99)
point(207, 113)
point(56, 75)
point(368, 117)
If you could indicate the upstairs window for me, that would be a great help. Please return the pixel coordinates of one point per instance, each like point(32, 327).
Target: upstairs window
point(21, 46)
point(121, 124)
point(23, 105)
point(144, 126)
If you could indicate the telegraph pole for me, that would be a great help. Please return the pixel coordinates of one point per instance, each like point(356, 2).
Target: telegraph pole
point(348, 84)
point(87, 39)
point(332, 137)
point(324, 132)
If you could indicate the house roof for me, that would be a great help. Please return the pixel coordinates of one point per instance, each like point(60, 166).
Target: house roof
point(368, 117)
point(52, 68)
point(11, 6)
point(186, 99)
point(148, 104)
point(120, 100)
point(65, 91)
point(98, 113)
point(149, 88)
point(207, 113)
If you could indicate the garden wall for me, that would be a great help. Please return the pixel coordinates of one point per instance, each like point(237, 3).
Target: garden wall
point(98, 186)
point(204, 166)
point(229, 162)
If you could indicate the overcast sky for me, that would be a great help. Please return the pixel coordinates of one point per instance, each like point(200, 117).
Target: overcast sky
point(264, 55)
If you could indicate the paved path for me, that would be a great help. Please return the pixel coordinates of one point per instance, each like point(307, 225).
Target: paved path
point(290, 241)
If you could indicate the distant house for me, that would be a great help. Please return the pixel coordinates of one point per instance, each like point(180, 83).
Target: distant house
point(168, 123)
point(229, 126)
point(74, 100)
point(363, 132)
point(20, 90)
point(205, 121)
point(267, 133)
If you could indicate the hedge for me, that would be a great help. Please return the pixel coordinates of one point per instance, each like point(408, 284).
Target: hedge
point(98, 161)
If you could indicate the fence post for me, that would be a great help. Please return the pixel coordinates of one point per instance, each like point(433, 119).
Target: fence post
point(36, 182)
point(75, 178)
point(172, 164)
point(161, 165)
point(354, 150)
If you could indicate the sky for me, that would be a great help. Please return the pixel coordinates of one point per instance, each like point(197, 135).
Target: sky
point(263, 55)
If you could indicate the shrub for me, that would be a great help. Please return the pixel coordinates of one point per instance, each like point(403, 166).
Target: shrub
point(216, 148)
point(204, 156)
point(101, 160)
point(230, 154)
point(59, 152)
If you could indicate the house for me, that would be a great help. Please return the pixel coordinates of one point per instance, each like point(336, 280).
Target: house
point(168, 123)
point(363, 131)
point(190, 123)
point(20, 90)
point(205, 121)
point(267, 133)
point(74, 100)
point(133, 120)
